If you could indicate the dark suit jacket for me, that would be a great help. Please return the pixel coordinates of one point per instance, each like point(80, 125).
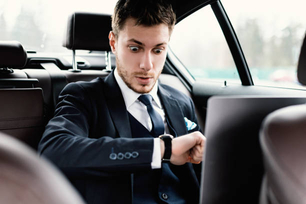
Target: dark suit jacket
point(91, 122)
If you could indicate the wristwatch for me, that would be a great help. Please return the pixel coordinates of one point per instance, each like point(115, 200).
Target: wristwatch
point(168, 146)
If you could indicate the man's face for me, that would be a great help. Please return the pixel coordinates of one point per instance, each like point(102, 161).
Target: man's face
point(140, 54)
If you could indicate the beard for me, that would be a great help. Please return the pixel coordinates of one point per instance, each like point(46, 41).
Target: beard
point(128, 77)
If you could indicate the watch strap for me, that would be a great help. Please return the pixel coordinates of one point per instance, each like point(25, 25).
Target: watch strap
point(168, 147)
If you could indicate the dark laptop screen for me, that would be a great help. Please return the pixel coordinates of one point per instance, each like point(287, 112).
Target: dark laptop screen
point(233, 167)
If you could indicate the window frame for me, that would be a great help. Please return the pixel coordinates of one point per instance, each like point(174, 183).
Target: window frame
point(232, 41)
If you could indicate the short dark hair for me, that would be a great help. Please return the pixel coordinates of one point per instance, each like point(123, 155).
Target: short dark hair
point(145, 12)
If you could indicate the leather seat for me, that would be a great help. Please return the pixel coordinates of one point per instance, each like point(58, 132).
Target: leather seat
point(21, 109)
point(26, 178)
point(283, 142)
point(88, 31)
point(12, 55)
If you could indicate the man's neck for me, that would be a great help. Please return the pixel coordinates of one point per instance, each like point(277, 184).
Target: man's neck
point(129, 95)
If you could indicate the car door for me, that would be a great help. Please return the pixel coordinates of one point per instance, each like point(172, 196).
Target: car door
point(207, 56)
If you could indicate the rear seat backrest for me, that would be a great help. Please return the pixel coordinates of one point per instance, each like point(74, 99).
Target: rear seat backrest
point(21, 114)
point(21, 110)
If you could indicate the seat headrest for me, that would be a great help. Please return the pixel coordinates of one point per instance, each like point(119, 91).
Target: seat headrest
point(301, 72)
point(12, 55)
point(88, 31)
point(283, 141)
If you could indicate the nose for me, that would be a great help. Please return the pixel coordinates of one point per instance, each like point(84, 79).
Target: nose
point(146, 61)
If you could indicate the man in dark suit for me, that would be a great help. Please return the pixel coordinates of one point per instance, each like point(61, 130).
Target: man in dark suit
point(108, 135)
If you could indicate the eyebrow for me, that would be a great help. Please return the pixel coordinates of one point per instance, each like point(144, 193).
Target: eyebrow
point(140, 43)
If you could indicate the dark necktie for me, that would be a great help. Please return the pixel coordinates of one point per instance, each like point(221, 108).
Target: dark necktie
point(158, 127)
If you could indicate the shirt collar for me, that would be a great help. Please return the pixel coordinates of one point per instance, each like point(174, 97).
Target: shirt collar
point(131, 96)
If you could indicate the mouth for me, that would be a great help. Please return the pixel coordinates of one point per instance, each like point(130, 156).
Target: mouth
point(144, 80)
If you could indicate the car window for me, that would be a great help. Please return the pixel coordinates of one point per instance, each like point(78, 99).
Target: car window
point(39, 25)
point(270, 33)
point(200, 45)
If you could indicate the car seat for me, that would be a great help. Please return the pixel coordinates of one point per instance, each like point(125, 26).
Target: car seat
point(283, 142)
point(21, 110)
point(25, 178)
point(88, 31)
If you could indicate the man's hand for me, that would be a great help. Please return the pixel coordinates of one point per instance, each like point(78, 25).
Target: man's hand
point(186, 148)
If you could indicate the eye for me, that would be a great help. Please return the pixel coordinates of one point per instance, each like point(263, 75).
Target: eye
point(157, 51)
point(134, 48)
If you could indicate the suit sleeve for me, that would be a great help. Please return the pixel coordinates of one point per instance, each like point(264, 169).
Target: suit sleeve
point(66, 141)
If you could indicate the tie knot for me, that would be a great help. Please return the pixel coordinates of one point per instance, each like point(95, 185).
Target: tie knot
point(146, 99)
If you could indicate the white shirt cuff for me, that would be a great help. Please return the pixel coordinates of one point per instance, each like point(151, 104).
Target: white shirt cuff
point(156, 157)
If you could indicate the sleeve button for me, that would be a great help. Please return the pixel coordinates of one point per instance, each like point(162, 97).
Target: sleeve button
point(113, 156)
point(128, 155)
point(164, 196)
point(120, 156)
point(135, 154)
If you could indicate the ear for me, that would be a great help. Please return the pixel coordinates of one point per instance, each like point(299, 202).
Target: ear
point(112, 41)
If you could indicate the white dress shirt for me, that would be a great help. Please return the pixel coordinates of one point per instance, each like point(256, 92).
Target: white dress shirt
point(139, 111)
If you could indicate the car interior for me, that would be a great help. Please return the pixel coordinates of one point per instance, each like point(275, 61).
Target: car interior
point(283, 146)
point(233, 155)
point(254, 151)
point(25, 177)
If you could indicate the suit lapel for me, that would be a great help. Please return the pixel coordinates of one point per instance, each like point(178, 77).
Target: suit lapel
point(173, 111)
point(116, 105)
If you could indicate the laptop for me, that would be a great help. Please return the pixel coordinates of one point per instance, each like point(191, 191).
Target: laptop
point(232, 168)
